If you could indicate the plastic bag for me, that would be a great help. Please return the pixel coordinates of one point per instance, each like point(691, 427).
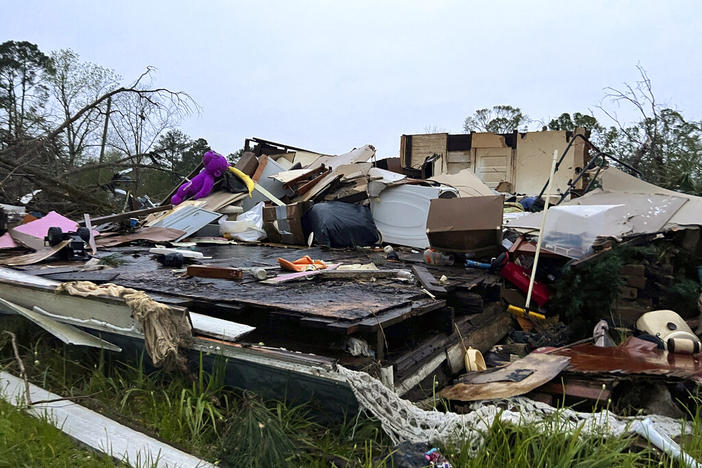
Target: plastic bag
point(248, 226)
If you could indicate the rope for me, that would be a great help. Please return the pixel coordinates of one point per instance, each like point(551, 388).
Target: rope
point(165, 330)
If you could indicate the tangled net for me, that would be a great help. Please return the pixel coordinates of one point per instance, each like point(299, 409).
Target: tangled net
point(404, 421)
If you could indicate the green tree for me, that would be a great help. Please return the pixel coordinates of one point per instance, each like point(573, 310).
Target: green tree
point(171, 146)
point(22, 92)
point(498, 119)
point(193, 155)
point(578, 120)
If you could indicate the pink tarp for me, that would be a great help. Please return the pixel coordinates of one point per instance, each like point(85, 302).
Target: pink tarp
point(7, 242)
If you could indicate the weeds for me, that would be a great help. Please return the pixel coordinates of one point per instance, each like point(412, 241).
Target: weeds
point(26, 441)
point(200, 415)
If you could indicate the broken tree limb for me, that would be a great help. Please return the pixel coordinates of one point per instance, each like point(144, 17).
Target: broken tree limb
point(23, 371)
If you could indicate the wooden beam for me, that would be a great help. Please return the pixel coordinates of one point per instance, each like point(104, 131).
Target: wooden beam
point(212, 271)
point(428, 281)
point(126, 215)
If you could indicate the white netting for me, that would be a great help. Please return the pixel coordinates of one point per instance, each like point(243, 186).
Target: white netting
point(403, 421)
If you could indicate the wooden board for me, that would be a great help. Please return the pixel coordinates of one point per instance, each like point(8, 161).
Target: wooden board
point(500, 383)
point(35, 257)
point(212, 271)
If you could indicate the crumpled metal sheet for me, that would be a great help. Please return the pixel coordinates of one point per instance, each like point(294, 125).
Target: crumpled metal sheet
point(634, 356)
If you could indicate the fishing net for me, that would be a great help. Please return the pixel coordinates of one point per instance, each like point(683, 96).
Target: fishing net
point(404, 421)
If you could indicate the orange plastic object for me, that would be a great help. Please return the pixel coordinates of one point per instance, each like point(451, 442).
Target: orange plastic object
point(302, 264)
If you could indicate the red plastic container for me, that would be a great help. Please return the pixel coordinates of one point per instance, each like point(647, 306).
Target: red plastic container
point(519, 277)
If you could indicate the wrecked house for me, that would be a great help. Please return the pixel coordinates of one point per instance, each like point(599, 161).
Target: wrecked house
point(516, 162)
point(312, 273)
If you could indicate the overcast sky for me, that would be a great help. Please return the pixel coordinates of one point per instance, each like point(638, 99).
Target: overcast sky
point(330, 76)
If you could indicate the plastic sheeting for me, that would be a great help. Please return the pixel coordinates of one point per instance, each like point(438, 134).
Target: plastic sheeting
point(339, 224)
point(248, 226)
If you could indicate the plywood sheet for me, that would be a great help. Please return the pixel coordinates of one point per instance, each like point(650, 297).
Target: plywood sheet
point(538, 368)
point(466, 182)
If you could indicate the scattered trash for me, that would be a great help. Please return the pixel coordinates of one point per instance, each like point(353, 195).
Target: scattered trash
point(248, 226)
point(402, 269)
point(302, 264)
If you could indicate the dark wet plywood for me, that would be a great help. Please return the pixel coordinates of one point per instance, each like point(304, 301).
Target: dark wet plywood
point(345, 300)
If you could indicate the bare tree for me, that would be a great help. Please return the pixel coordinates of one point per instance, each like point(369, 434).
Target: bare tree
point(21, 161)
point(73, 85)
point(662, 145)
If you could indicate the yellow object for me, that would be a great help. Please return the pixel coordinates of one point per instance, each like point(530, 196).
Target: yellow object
point(513, 207)
point(474, 360)
point(246, 179)
point(519, 312)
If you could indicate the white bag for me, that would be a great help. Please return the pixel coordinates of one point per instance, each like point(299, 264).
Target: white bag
point(248, 226)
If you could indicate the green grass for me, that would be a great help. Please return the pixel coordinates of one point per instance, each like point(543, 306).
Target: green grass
point(26, 441)
point(202, 416)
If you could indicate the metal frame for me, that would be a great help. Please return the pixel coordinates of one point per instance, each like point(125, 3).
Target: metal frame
point(598, 160)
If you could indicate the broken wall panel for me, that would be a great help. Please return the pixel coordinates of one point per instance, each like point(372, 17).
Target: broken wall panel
point(522, 160)
point(533, 159)
point(416, 148)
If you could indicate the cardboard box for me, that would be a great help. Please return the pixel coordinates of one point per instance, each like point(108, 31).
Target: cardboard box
point(283, 224)
point(472, 225)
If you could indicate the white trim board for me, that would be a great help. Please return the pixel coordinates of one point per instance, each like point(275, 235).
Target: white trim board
point(96, 430)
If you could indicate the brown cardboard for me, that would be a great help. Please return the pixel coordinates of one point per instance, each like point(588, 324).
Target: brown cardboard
point(283, 224)
point(247, 163)
point(472, 225)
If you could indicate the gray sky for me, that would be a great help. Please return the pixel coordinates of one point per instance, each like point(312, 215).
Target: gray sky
point(330, 76)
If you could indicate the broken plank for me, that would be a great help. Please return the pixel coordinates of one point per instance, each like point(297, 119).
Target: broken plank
point(428, 281)
point(298, 275)
point(218, 328)
point(303, 189)
point(263, 191)
point(35, 257)
point(126, 215)
point(543, 370)
point(591, 389)
point(321, 186)
point(421, 373)
point(398, 314)
point(212, 271)
point(359, 274)
point(94, 276)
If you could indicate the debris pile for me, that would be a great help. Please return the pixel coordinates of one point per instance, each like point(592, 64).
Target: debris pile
point(425, 272)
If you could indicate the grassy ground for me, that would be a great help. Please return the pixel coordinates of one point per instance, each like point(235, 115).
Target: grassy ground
point(26, 441)
point(236, 428)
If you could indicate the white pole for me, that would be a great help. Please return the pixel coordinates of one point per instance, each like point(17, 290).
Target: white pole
point(541, 231)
